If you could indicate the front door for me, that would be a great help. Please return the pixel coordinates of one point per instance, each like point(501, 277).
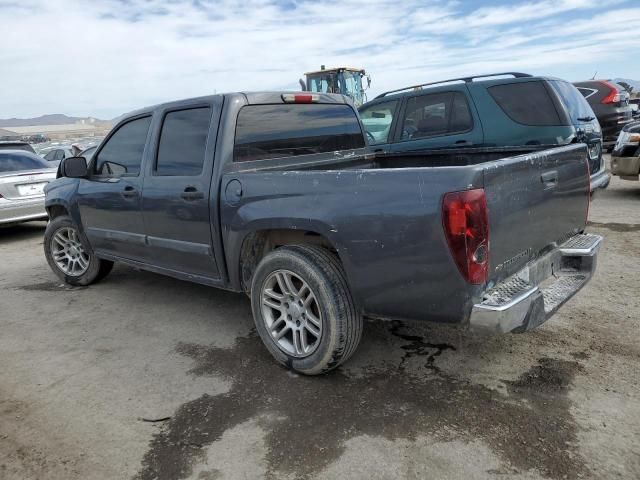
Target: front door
point(110, 199)
point(379, 122)
point(176, 193)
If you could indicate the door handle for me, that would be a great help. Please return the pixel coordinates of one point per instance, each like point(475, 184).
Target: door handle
point(550, 179)
point(464, 143)
point(129, 192)
point(191, 193)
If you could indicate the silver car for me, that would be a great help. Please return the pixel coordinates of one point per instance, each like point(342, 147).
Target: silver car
point(23, 176)
point(56, 154)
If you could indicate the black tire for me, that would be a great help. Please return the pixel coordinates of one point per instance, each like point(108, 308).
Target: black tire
point(97, 269)
point(341, 322)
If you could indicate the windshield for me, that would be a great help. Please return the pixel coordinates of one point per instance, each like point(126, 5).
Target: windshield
point(17, 161)
point(351, 85)
point(16, 146)
point(345, 82)
point(322, 83)
point(377, 120)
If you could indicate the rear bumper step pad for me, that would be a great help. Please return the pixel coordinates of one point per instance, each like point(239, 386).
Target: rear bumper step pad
point(531, 296)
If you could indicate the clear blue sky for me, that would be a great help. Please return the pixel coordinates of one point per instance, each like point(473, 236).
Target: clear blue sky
point(105, 57)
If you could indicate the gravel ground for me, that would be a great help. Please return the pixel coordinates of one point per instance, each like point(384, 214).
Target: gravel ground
point(145, 377)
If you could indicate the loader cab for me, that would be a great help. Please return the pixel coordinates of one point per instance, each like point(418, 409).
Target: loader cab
point(343, 80)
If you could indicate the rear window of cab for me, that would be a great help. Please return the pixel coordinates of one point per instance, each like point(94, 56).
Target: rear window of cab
point(290, 130)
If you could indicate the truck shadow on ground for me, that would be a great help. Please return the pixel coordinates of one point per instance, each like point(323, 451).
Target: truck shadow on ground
point(23, 231)
point(311, 419)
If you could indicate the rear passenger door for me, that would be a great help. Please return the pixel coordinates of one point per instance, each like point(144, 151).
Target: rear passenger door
point(438, 119)
point(176, 198)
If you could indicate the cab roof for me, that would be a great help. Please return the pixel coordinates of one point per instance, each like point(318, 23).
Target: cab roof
point(336, 69)
point(249, 98)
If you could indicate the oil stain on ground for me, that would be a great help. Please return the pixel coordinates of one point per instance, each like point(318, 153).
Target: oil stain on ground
point(617, 227)
point(530, 429)
point(48, 287)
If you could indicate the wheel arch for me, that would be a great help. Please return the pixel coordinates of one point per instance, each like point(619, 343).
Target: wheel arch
point(258, 243)
point(62, 202)
point(57, 210)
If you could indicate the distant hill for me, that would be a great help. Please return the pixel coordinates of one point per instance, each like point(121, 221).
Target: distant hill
point(52, 119)
point(634, 83)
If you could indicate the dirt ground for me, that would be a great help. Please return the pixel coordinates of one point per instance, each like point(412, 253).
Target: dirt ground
point(147, 377)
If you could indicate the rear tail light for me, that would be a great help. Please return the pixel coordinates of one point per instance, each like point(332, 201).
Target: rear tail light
point(614, 94)
point(300, 98)
point(466, 226)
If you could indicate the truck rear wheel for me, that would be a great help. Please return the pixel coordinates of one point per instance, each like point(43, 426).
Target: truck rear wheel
point(68, 257)
point(303, 309)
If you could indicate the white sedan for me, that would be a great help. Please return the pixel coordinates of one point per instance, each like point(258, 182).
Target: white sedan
point(23, 176)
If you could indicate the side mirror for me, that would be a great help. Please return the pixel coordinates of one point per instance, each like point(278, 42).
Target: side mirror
point(74, 167)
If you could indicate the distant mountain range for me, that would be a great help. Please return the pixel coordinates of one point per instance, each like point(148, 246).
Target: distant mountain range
point(633, 83)
point(61, 119)
point(53, 119)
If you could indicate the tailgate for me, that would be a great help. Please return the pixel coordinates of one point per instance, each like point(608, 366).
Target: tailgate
point(535, 201)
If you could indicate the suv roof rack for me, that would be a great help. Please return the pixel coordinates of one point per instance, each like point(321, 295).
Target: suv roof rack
point(461, 79)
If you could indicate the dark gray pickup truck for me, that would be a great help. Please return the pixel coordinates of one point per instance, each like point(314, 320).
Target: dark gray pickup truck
point(277, 195)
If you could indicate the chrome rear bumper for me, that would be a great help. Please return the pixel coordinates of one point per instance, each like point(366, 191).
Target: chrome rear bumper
point(627, 168)
point(531, 296)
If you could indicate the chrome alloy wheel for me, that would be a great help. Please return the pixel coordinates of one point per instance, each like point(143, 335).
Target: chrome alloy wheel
point(68, 253)
point(291, 313)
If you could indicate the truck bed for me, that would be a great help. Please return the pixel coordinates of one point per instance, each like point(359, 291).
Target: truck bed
point(449, 157)
point(383, 215)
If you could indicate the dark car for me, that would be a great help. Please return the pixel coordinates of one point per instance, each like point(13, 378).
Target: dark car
point(517, 114)
point(37, 138)
point(610, 103)
point(634, 103)
point(16, 145)
point(625, 158)
point(276, 195)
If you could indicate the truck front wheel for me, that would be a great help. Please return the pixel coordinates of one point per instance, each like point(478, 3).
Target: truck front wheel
point(303, 309)
point(68, 257)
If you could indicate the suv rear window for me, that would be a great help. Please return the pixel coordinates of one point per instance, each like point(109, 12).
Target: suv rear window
point(288, 130)
point(527, 103)
point(574, 101)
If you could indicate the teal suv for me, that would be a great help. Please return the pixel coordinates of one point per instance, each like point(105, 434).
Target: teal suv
point(502, 112)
